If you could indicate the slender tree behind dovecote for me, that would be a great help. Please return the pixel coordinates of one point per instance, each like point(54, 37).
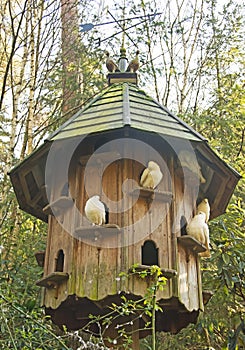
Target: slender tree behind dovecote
point(70, 56)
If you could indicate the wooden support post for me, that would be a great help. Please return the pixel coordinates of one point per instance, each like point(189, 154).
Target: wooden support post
point(135, 335)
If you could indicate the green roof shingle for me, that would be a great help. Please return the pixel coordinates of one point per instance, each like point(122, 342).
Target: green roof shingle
point(125, 104)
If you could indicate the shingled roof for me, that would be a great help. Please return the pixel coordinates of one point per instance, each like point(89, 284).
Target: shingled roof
point(125, 104)
point(119, 107)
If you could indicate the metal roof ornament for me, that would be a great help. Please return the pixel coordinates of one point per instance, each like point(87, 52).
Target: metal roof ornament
point(124, 71)
point(134, 64)
point(110, 64)
point(122, 63)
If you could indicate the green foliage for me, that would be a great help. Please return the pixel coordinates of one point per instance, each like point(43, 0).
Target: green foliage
point(23, 324)
point(217, 113)
point(135, 309)
point(23, 328)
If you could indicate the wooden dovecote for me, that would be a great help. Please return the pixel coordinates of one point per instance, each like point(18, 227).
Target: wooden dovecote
point(102, 150)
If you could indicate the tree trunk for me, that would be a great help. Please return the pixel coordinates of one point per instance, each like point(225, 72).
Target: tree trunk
point(70, 56)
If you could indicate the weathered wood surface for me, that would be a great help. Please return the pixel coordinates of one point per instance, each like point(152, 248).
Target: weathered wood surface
point(191, 243)
point(53, 280)
point(94, 260)
point(187, 257)
point(188, 286)
point(59, 206)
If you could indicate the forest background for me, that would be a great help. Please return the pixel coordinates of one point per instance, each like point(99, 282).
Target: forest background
point(192, 61)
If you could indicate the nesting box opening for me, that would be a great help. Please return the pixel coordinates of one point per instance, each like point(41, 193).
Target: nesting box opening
point(59, 261)
point(183, 224)
point(149, 253)
point(107, 213)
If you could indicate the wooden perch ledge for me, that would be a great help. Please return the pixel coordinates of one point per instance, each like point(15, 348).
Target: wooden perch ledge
point(167, 273)
point(58, 206)
point(191, 243)
point(97, 232)
point(148, 193)
point(53, 280)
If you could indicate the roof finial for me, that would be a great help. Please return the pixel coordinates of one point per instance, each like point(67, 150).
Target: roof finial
point(122, 63)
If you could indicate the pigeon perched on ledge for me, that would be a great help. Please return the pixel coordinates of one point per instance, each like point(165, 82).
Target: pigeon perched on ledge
point(95, 210)
point(188, 159)
point(198, 229)
point(151, 176)
point(205, 208)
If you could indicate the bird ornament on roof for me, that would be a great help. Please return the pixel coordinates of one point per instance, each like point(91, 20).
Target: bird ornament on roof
point(132, 67)
point(110, 64)
point(134, 64)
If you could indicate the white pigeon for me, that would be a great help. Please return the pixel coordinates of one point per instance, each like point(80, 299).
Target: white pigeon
point(198, 229)
point(205, 208)
point(151, 176)
point(188, 159)
point(95, 210)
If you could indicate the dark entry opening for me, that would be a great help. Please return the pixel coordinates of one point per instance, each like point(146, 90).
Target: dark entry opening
point(149, 253)
point(183, 224)
point(59, 266)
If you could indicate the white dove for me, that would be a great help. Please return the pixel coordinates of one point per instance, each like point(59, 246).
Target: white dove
point(205, 208)
point(189, 160)
point(95, 210)
point(198, 229)
point(151, 176)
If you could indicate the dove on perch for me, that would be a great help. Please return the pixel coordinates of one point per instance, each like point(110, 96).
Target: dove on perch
point(110, 64)
point(151, 176)
point(95, 210)
point(198, 229)
point(205, 208)
point(188, 159)
point(134, 64)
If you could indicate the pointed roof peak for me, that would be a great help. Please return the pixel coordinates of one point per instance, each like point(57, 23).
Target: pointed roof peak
point(121, 104)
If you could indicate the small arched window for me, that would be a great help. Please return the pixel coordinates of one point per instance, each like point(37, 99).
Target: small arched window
point(183, 224)
point(59, 265)
point(149, 253)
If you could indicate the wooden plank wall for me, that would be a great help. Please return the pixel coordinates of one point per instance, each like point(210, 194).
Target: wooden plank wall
point(189, 279)
point(58, 239)
point(94, 266)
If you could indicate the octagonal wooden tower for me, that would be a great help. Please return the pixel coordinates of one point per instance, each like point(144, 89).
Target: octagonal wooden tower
point(102, 151)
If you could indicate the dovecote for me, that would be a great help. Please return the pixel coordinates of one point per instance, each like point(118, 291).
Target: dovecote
point(102, 150)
